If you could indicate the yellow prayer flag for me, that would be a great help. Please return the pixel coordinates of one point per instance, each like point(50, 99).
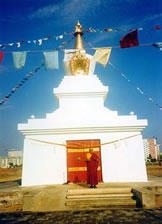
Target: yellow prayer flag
point(102, 55)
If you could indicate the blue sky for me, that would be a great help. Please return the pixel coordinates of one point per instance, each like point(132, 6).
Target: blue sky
point(33, 20)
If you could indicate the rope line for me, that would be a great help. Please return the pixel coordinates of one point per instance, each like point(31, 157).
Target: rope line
point(83, 146)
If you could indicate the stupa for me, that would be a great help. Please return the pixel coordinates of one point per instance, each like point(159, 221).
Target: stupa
point(55, 147)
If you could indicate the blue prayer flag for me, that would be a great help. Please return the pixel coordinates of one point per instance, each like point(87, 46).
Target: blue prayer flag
point(51, 60)
point(19, 59)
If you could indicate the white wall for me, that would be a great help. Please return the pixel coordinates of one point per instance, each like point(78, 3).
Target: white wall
point(122, 161)
point(43, 164)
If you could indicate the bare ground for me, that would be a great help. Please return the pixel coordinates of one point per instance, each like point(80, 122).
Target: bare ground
point(10, 174)
point(154, 170)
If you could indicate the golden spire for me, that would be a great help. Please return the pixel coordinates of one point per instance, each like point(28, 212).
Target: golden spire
point(78, 34)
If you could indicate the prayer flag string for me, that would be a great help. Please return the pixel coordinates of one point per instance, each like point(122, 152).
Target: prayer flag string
point(64, 44)
point(36, 41)
point(137, 88)
point(91, 46)
point(61, 48)
point(94, 30)
point(40, 41)
point(19, 57)
point(21, 83)
point(44, 63)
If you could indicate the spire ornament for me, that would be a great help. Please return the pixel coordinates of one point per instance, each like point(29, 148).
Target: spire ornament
point(79, 62)
point(78, 34)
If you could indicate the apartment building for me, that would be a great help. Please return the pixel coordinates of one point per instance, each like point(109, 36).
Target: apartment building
point(151, 149)
point(14, 158)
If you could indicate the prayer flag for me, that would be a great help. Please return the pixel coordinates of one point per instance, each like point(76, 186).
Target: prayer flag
point(129, 40)
point(102, 55)
point(18, 44)
point(2, 46)
point(40, 41)
point(51, 60)
point(1, 56)
point(11, 44)
point(158, 44)
point(157, 27)
point(19, 59)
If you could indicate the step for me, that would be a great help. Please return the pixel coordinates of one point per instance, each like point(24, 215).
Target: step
point(100, 202)
point(99, 191)
point(100, 198)
point(115, 196)
point(11, 208)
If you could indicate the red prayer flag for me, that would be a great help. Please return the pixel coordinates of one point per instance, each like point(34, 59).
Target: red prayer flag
point(129, 40)
point(1, 56)
point(157, 27)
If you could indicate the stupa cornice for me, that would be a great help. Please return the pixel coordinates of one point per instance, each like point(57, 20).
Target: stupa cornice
point(44, 130)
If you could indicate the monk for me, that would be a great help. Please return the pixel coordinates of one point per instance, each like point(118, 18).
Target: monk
point(92, 165)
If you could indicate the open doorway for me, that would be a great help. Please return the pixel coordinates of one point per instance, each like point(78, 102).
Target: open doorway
point(76, 157)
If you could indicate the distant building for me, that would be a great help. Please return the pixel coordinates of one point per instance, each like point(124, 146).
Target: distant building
point(15, 158)
point(151, 149)
point(15, 154)
point(3, 162)
point(146, 149)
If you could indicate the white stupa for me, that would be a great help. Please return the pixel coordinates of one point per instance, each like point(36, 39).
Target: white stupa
point(82, 118)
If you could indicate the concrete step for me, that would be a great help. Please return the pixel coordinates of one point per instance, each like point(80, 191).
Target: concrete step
point(100, 198)
point(87, 196)
point(100, 202)
point(92, 191)
point(11, 208)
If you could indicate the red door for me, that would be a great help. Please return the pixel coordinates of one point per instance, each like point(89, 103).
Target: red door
point(76, 156)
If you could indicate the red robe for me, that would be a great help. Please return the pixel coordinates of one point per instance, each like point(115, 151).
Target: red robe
point(92, 166)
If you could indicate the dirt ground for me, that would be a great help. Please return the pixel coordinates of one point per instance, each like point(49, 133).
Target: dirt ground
point(10, 174)
point(154, 170)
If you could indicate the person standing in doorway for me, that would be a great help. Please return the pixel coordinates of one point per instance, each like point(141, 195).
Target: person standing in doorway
point(92, 161)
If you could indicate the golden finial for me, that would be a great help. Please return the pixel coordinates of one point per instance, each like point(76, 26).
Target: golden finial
point(78, 34)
